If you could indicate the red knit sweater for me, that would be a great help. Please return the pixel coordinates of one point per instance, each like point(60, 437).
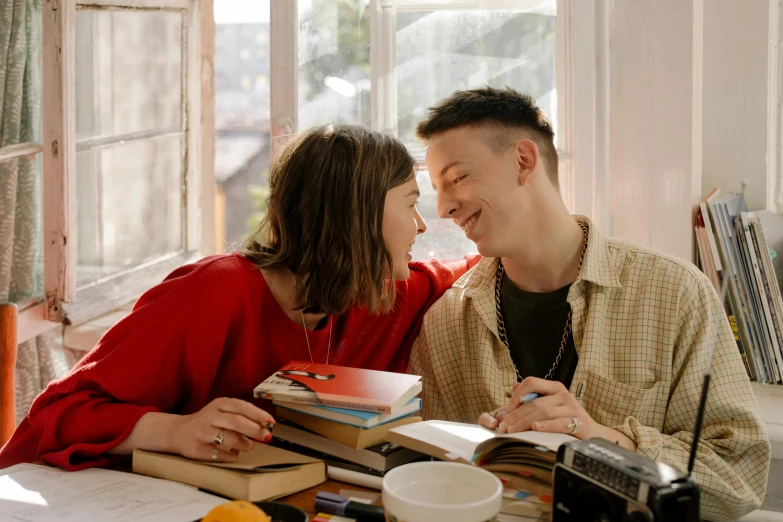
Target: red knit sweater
point(210, 329)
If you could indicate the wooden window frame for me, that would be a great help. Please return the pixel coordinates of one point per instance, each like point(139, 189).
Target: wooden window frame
point(63, 302)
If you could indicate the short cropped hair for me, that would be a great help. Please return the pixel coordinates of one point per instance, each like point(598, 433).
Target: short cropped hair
point(324, 217)
point(501, 116)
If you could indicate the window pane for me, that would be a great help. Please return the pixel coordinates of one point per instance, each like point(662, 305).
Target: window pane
point(128, 72)
point(241, 119)
point(128, 205)
point(334, 62)
point(444, 51)
point(21, 228)
point(443, 239)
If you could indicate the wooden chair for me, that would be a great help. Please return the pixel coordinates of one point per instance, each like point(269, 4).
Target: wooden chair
point(8, 349)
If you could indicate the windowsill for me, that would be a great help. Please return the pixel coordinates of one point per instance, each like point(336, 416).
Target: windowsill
point(85, 336)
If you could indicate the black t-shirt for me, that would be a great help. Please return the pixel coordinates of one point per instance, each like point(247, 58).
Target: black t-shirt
point(534, 325)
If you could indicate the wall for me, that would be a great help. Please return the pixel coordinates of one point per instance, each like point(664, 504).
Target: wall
point(735, 97)
point(651, 174)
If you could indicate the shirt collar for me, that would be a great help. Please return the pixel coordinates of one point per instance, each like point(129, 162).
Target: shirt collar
point(597, 267)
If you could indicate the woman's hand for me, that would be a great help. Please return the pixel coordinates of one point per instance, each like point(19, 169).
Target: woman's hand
point(238, 422)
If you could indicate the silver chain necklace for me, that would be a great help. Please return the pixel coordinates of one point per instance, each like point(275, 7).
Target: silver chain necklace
point(502, 325)
point(307, 338)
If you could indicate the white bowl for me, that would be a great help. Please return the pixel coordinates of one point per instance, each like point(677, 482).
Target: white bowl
point(435, 491)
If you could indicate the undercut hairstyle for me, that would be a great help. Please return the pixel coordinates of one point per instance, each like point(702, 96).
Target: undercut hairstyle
point(501, 118)
point(324, 219)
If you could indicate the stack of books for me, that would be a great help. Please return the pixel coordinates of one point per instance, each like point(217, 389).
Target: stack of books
point(342, 415)
point(522, 461)
point(746, 247)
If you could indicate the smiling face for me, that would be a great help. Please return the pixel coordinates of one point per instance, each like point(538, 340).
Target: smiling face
point(481, 190)
point(401, 224)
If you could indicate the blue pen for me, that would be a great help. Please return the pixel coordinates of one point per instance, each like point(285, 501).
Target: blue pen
point(529, 397)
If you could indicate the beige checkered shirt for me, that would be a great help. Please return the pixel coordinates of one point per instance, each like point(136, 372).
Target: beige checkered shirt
point(642, 324)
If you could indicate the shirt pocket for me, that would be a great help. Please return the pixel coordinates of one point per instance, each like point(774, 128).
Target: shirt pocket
point(609, 402)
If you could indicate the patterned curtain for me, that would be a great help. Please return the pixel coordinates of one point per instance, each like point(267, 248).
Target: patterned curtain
point(21, 258)
point(20, 121)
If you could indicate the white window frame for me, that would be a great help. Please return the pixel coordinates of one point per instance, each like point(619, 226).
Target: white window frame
point(775, 109)
point(63, 302)
point(575, 66)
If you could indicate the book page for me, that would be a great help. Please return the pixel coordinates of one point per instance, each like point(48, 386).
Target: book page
point(452, 437)
point(30, 492)
point(550, 441)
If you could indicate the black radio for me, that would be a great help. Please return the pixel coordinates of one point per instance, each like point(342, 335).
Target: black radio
point(595, 480)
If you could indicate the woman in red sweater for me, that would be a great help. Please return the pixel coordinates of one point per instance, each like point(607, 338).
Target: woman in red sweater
point(177, 375)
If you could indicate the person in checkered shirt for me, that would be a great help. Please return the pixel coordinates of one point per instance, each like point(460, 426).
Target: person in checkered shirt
point(614, 337)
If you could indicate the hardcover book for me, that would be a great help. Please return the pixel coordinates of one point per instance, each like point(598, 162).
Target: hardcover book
point(262, 474)
point(340, 386)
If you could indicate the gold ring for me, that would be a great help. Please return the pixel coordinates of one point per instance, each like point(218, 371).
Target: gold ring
point(217, 440)
point(215, 453)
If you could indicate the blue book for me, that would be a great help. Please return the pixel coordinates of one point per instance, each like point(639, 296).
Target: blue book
point(361, 419)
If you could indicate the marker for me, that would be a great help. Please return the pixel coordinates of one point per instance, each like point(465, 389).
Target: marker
point(529, 397)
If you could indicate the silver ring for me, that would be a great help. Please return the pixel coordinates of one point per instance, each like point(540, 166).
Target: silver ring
point(574, 425)
point(217, 440)
point(215, 453)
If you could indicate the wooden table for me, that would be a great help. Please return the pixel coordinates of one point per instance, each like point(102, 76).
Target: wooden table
point(305, 500)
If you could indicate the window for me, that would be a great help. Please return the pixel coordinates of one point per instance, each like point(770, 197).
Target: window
point(439, 52)
point(130, 139)
point(118, 173)
point(334, 63)
point(382, 63)
point(241, 119)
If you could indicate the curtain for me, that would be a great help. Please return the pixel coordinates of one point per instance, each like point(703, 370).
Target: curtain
point(21, 213)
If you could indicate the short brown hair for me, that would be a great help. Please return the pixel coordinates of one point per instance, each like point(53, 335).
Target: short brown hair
point(324, 217)
point(500, 114)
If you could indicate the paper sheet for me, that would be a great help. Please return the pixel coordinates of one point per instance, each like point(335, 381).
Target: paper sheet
point(30, 492)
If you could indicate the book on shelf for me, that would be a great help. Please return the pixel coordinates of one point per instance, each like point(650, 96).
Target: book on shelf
point(758, 305)
point(523, 461)
point(340, 386)
point(264, 473)
point(381, 457)
point(769, 279)
point(742, 246)
point(352, 436)
point(358, 418)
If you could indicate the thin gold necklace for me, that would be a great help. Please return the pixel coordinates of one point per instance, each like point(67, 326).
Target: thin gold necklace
point(307, 338)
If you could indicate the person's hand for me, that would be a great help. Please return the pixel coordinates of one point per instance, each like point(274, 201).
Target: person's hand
point(239, 422)
point(491, 420)
point(553, 411)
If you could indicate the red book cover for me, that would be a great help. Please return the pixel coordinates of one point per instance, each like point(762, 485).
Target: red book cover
point(340, 386)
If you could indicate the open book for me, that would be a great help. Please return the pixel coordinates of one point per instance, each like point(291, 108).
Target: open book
point(523, 461)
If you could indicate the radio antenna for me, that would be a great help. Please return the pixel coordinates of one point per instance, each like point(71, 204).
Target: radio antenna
point(707, 373)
